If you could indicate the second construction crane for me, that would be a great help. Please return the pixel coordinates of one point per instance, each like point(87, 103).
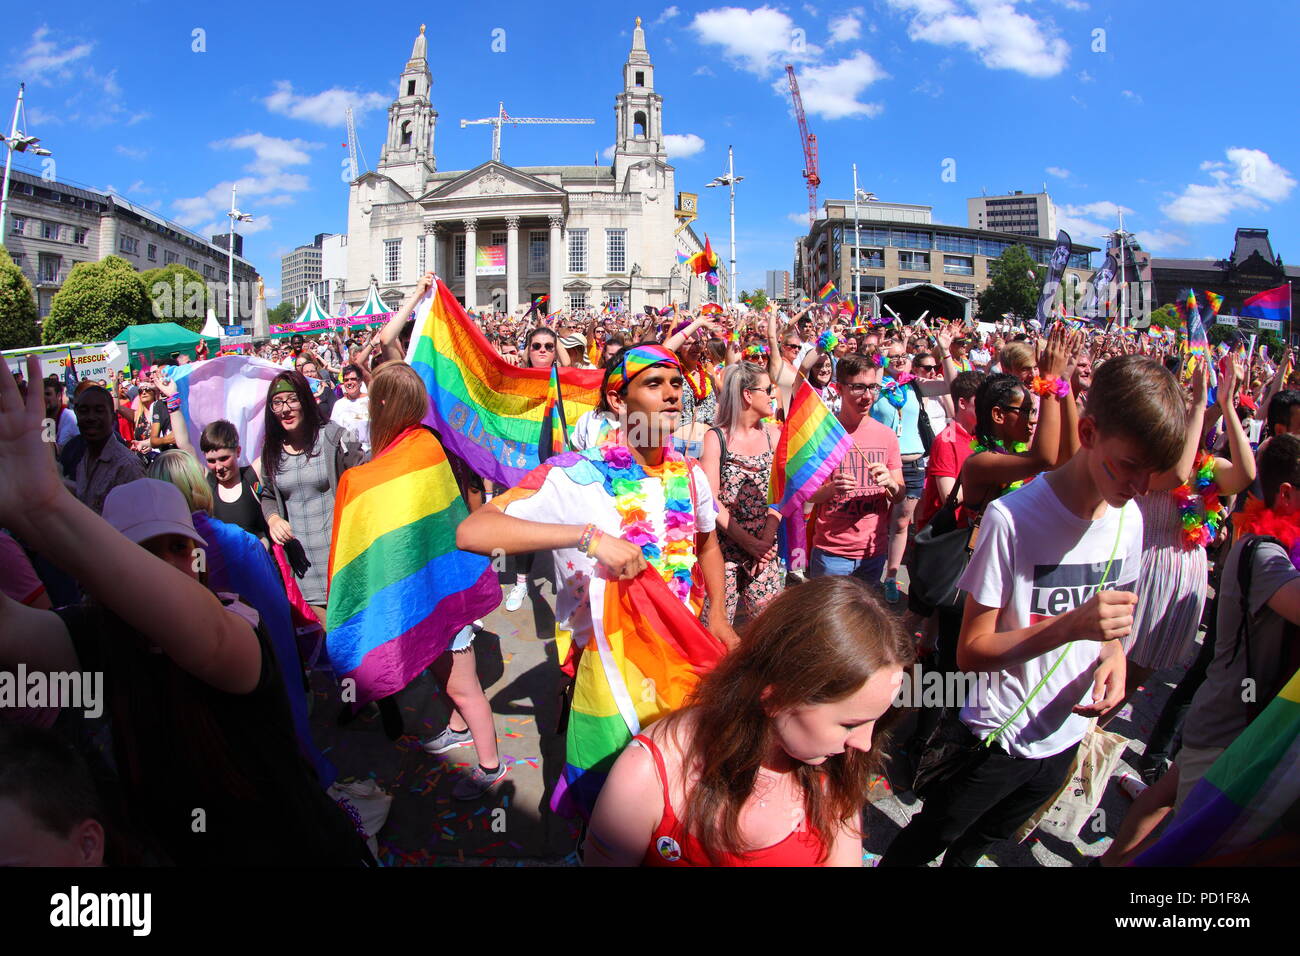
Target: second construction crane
point(809, 141)
point(502, 118)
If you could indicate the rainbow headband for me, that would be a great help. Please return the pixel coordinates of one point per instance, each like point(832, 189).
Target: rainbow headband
point(636, 360)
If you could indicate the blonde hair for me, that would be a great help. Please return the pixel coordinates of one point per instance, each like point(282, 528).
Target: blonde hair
point(1017, 355)
point(180, 469)
point(398, 400)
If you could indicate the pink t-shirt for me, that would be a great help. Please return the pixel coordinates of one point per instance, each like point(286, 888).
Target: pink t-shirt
point(855, 525)
point(17, 578)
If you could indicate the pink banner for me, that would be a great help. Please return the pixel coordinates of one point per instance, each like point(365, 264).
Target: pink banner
point(322, 325)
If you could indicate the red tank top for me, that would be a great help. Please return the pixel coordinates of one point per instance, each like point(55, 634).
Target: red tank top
point(672, 846)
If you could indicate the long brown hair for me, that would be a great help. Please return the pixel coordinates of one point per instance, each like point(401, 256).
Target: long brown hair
point(275, 435)
point(816, 643)
point(398, 400)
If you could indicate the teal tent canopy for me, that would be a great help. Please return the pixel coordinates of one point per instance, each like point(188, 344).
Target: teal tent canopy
point(156, 342)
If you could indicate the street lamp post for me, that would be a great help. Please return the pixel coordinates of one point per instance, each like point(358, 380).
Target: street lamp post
point(730, 181)
point(859, 195)
point(15, 142)
point(235, 216)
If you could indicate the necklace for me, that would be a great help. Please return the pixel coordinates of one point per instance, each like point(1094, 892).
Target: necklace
point(625, 481)
point(699, 381)
point(1017, 448)
point(1255, 518)
point(1201, 512)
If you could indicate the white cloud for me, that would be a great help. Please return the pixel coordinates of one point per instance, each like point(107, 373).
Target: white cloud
point(45, 61)
point(809, 9)
point(1002, 37)
point(682, 145)
point(846, 27)
point(702, 70)
point(929, 88)
point(1250, 180)
point(666, 16)
point(832, 90)
point(607, 153)
point(1156, 240)
point(1131, 96)
point(798, 218)
point(221, 226)
point(269, 183)
point(755, 40)
point(1078, 6)
point(130, 152)
point(1085, 77)
point(1087, 222)
point(139, 187)
point(327, 108)
point(1058, 172)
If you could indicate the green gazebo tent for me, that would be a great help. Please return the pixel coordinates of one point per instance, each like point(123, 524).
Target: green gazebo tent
point(158, 340)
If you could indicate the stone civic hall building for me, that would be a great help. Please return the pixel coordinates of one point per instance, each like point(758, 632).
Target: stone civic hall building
point(501, 236)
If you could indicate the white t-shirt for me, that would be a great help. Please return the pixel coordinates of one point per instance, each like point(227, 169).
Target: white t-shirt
point(67, 427)
point(570, 489)
point(591, 427)
point(354, 416)
point(1036, 560)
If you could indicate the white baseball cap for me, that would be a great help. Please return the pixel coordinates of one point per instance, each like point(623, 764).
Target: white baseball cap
point(146, 508)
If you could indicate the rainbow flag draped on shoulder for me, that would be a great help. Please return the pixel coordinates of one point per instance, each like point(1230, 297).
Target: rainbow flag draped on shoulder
point(399, 589)
point(1235, 812)
point(487, 411)
point(648, 654)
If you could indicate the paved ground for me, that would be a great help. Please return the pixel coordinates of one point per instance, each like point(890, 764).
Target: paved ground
point(512, 825)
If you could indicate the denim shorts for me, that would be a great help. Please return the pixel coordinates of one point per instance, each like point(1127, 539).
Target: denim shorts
point(688, 449)
point(823, 563)
point(914, 477)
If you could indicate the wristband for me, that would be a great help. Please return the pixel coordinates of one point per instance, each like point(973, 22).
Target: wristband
point(173, 403)
point(595, 542)
point(1051, 386)
point(584, 542)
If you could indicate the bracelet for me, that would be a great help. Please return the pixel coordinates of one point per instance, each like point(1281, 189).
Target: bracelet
point(1051, 386)
point(173, 403)
point(584, 542)
point(590, 550)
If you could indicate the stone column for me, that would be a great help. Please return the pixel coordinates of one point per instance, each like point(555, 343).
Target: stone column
point(512, 264)
point(471, 263)
point(556, 252)
point(432, 245)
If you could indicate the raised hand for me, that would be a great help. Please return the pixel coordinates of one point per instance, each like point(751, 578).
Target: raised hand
point(29, 478)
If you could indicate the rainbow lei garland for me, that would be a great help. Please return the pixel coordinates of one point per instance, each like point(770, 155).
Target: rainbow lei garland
point(625, 483)
point(1017, 448)
point(1201, 512)
point(827, 341)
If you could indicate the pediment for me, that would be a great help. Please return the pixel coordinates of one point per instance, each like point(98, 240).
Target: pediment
point(492, 179)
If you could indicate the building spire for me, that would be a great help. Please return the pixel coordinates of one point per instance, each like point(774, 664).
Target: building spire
point(638, 54)
point(419, 50)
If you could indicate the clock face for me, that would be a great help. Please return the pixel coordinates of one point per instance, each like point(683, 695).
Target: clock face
point(687, 202)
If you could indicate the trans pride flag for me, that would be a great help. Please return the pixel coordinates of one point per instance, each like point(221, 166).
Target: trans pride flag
point(230, 387)
point(487, 411)
point(1236, 809)
point(399, 589)
point(648, 655)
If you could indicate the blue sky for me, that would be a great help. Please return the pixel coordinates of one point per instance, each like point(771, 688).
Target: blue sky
point(1180, 113)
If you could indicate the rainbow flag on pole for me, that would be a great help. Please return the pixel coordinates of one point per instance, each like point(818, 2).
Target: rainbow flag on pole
point(648, 654)
point(1273, 304)
point(1236, 809)
point(487, 411)
point(399, 589)
point(825, 293)
point(813, 442)
point(554, 434)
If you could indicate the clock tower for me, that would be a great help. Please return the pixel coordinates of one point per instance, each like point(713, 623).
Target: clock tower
point(638, 111)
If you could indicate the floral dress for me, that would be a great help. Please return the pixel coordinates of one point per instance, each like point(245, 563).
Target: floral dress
point(744, 483)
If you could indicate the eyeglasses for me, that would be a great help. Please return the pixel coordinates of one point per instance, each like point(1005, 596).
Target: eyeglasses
point(857, 388)
point(755, 388)
point(543, 346)
point(1025, 409)
point(285, 403)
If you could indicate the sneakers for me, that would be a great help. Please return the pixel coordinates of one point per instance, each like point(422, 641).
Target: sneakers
point(447, 740)
point(477, 783)
point(892, 593)
point(515, 599)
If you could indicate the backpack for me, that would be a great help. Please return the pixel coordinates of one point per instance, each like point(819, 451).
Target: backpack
point(1290, 663)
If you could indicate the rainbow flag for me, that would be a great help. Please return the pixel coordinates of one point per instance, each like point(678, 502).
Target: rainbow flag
point(705, 263)
point(1273, 304)
point(648, 654)
point(554, 434)
point(825, 292)
point(399, 589)
point(812, 444)
point(1237, 807)
point(848, 308)
point(485, 410)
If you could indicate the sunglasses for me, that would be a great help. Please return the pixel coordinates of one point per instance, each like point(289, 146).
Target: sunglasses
point(755, 388)
point(543, 346)
point(928, 368)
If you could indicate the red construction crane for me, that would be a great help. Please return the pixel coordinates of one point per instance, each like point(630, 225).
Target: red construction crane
point(809, 147)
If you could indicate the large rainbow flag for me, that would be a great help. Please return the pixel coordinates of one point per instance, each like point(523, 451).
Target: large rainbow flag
point(648, 654)
point(1236, 809)
point(487, 411)
point(813, 442)
point(399, 589)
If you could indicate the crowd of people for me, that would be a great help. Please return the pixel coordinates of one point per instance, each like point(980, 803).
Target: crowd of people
point(1110, 491)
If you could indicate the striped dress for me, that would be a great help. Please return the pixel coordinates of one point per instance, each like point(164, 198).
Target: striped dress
point(1171, 588)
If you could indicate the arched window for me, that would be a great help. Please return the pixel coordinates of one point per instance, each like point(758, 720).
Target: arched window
point(638, 125)
point(406, 133)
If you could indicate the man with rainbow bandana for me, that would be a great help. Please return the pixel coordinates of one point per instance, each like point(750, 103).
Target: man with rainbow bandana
point(613, 509)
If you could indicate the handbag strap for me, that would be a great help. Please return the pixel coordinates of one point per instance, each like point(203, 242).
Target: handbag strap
point(988, 741)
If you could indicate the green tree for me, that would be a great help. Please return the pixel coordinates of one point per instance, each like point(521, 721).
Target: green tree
point(758, 300)
point(282, 314)
point(1166, 317)
point(98, 300)
point(1015, 284)
point(18, 311)
point(189, 309)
